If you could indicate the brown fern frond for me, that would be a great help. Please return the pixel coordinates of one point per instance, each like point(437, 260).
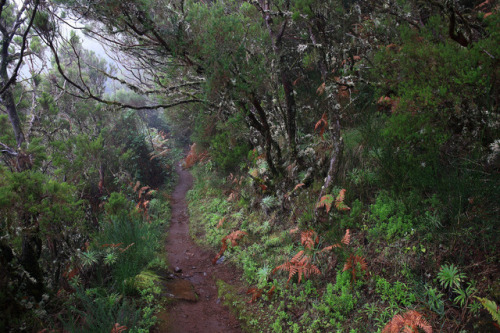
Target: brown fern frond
point(117, 328)
point(162, 153)
point(234, 237)
point(328, 248)
point(256, 294)
point(136, 187)
point(301, 265)
point(345, 240)
point(193, 156)
point(410, 321)
point(352, 264)
point(339, 201)
point(221, 222)
point(143, 190)
point(270, 293)
point(308, 238)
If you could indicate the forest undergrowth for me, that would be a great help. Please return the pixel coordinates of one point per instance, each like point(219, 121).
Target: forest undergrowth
point(346, 156)
point(361, 259)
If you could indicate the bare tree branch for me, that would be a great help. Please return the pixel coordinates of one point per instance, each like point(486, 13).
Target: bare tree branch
point(23, 47)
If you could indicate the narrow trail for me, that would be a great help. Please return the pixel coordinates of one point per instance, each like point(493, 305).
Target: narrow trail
point(197, 307)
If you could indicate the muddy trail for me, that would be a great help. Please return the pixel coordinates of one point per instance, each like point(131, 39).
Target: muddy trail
point(196, 307)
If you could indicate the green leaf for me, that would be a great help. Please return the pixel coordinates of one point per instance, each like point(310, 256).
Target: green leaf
point(492, 308)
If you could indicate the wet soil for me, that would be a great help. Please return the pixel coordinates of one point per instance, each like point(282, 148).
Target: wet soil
point(197, 307)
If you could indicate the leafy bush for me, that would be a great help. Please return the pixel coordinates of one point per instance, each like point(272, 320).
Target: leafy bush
point(396, 294)
point(391, 217)
point(100, 311)
point(140, 239)
point(228, 152)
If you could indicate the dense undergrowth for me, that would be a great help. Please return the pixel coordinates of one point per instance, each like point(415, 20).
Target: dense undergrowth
point(97, 258)
point(408, 250)
point(348, 160)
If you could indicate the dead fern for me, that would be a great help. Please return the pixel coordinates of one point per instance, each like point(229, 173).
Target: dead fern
point(339, 202)
point(301, 265)
point(327, 201)
point(117, 328)
point(143, 194)
point(322, 124)
point(270, 293)
point(221, 222)
point(309, 238)
point(409, 322)
point(234, 237)
point(352, 265)
point(345, 240)
point(256, 294)
point(193, 157)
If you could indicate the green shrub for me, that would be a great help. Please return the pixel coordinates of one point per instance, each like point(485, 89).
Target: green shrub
point(228, 152)
point(396, 294)
point(101, 312)
point(141, 240)
point(391, 217)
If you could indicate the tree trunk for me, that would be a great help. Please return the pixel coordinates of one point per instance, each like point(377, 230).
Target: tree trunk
point(10, 105)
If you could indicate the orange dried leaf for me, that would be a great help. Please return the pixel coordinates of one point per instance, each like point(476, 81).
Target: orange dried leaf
point(300, 264)
point(298, 186)
point(352, 264)
point(322, 125)
point(321, 89)
point(345, 240)
point(117, 328)
point(331, 247)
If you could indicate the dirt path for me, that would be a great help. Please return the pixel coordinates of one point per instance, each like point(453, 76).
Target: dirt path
point(197, 308)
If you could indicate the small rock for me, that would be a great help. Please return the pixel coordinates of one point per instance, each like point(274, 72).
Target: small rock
point(217, 301)
point(177, 269)
point(204, 274)
point(221, 260)
point(194, 267)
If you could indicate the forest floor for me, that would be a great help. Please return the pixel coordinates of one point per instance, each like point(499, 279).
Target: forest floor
point(197, 307)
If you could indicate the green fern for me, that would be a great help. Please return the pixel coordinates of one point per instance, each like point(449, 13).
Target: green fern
point(492, 308)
